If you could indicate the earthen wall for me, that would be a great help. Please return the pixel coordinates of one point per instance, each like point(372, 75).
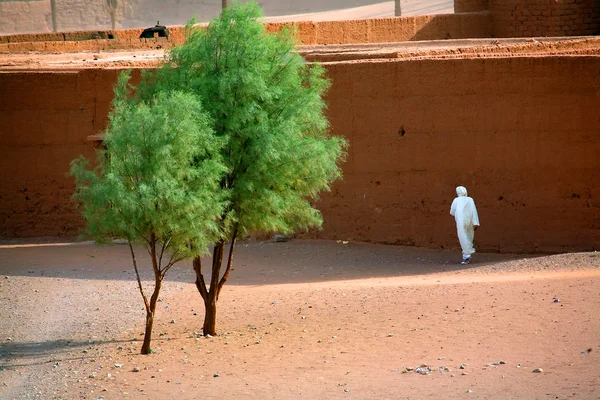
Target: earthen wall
point(377, 30)
point(520, 18)
point(520, 133)
point(462, 6)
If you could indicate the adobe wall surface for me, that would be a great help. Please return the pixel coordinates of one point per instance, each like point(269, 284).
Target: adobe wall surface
point(521, 18)
point(462, 6)
point(378, 30)
point(45, 119)
point(520, 133)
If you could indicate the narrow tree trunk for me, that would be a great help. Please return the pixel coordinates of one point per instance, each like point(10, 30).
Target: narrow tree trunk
point(223, 4)
point(149, 305)
point(397, 8)
point(148, 333)
point(150, 315)
point(210, 302)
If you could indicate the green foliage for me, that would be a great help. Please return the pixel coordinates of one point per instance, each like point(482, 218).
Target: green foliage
point(158, 176)
point(266, 103)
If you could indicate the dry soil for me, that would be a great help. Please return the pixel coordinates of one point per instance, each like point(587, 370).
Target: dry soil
point(302, 319)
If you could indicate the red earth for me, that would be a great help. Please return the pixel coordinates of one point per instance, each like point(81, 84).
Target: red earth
point(302, 319)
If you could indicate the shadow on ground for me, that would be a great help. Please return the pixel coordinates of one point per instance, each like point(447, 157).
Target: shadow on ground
point(255, 263)
point(52, 351)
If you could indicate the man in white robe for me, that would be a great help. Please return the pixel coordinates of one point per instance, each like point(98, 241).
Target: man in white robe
point(464, 211)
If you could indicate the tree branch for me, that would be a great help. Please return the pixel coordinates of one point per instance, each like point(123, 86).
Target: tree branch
point(200, 283)
point(162, 250)
point(229, 261)
point(137, 275)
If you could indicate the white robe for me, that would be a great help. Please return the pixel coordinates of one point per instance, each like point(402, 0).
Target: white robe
point(464, 211)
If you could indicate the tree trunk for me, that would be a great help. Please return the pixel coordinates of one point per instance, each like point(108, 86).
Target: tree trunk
point(210, 300)
point(223, 4)
point(210, 305)
point(210, 317)
point(150, 306)
point(211, 296)
point(150, 315)
point(148, 333)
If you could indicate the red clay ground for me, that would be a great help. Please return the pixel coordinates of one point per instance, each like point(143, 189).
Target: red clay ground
point(303, 319)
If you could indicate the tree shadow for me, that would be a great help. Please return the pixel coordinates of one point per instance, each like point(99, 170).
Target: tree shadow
point(255, 262)
point(37, 353)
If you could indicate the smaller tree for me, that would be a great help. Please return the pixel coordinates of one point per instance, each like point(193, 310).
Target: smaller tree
point(156, 183)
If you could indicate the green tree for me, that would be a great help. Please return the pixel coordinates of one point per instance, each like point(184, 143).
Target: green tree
point(267, 104)
point(156, 183)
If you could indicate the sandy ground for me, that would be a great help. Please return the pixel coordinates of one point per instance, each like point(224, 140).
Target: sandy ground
point(302, 319)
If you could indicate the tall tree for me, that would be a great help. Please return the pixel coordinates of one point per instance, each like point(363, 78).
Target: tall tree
point(267, 104)
point(156, 183)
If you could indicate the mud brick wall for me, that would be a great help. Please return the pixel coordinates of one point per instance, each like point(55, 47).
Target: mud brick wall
point(45, 119)
point(519, 18)
point(462, 6)
point(520, 133)
point(376, 30)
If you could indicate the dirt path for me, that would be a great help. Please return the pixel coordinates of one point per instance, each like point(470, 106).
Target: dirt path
point(303, 319)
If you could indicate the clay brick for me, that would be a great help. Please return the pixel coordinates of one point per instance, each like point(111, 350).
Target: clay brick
point(53, 125)
point(307, 33)
point(329, 32)
point(80, 124)
point(517, 129)
point(356, 31)
point(55, 90)
point(386, 30)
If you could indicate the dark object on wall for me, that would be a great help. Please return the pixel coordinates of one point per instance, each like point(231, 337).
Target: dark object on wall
point(149, 33)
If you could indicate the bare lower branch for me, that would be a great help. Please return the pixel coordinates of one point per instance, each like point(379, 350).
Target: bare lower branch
point(137, 275)
point(216, 267)
point(171, 262)
point(162, 250)
point(200, 283)
point(229, 261)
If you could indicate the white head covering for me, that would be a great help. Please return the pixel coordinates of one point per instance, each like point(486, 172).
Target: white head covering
point(461, 191)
